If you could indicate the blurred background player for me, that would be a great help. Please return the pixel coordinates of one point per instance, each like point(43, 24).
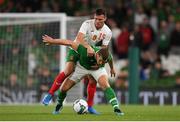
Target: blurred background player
point(84, 67)
point(92, 32)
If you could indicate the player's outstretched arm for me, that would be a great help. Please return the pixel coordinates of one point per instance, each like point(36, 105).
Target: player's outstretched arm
point(81, 39)
point(49, 40)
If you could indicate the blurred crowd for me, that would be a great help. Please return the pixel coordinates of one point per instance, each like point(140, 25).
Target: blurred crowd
point(156, 24)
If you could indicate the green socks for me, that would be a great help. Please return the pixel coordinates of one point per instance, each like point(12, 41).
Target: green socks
point(61, 97)
point(111, 97)
point(109, 93)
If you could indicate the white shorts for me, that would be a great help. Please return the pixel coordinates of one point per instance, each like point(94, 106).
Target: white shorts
point(80, 72)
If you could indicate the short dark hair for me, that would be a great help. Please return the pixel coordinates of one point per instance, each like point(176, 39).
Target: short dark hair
point(104, 52)
point(100, 11)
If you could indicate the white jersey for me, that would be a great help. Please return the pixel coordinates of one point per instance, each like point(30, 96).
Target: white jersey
point(93, 36)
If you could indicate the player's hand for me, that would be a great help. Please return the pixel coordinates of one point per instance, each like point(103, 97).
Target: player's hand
point(90, 51)
point(113, 73)
point(47, 39)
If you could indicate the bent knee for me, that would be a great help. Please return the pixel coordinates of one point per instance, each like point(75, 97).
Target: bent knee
point(105, 87)
point(63, 89)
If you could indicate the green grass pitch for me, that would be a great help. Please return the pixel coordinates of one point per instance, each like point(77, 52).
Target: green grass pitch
point(132, 112)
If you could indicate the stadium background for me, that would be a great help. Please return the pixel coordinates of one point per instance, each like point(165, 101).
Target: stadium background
point(156, 24)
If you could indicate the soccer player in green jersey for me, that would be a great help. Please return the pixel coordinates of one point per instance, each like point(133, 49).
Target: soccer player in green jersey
point(93, 32)
point(87, 65)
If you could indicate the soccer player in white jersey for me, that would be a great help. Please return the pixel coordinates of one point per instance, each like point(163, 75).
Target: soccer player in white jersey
point(92, 32)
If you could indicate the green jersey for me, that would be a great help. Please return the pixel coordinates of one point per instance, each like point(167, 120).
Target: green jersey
point(86, 61)
point(72, 56)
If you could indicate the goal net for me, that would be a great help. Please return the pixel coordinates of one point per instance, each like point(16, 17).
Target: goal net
point(27, 66)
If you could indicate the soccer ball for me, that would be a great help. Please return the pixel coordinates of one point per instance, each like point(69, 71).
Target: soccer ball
point(80, 106)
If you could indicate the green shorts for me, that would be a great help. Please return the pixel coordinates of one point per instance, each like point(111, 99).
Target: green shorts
point(72, 56)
